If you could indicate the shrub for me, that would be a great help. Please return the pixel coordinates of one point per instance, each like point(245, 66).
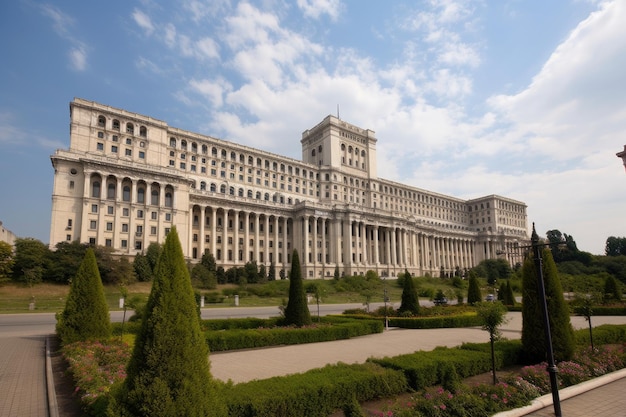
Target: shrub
point(410, 303)
point(168, 373)
point(86, 314)
point(297, 310)
point(473, 291)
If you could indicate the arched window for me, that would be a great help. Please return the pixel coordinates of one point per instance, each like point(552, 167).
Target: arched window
point(214, 152)
point(173, 142)
point(250, 193)
point(223, 189)
point(126, 193)
point(111, 191)
point(313, 152)
point(194, 147)
point(274, 198)
point(95, 189)
point(250, 160)
point(141, 195)
point(240, 192)
point(275, 166)
point(258, 195)
point(130, 128)
point(205, 149)
point(212, 189)
point(169, 199)
point(116, 124)
point(154, 197)
point(101, 121)
point(224, 153)
point(203, 185)
point(231, 191)
point(266, 197)
point(233, 156)
point(343, 147)
point(363, 154)
point(242, 159)
point(319, 149)
point(143, 132)
point(183, 145)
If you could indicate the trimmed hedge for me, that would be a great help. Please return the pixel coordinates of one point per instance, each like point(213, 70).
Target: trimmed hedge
point(331, 328)
point(470, 319)
point(318, 392)
point(424, 368)
point(507, 351)
point(608, 311)
point(602, 335)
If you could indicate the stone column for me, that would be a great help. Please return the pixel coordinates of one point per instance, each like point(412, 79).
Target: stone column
point(257, 236)
point(376, 251)
point(246, 237)
point(213, 231)
point(236, 238)
point(201, 234)
point(225, 236)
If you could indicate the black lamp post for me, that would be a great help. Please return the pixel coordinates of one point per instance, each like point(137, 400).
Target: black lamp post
point(551, 368)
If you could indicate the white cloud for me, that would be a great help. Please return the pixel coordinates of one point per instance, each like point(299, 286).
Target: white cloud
point(78, 58)
point(61, 20)
point(213, 90)
point(143, 21)
point(316, 8)
point(207, 48)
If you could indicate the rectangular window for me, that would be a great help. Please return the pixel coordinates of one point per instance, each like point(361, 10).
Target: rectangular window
point(125, 227)
point(125, 212)
point(183, 165)
point(72, 185)
point(142, 155)
point(114, 138)
point(68, 237)
point(168, 217)
point(124, 243)
point(92, 224)
point(153, 215)
point(129, 141)
point(109, 226)
point(114, 149)
point(128, 152)
point(138, 244)
point(139, 230)
point(140, 214)
point(92, 240)
point(100, 146)
point(109, 209)
point(153, 230)
point(108, 243)
point(167, 231)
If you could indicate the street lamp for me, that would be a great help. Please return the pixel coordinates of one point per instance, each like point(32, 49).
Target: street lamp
point(552, 370)
point(622, 155)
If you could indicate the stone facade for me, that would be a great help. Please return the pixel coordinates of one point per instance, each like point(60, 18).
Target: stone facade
point(127, 179)
point(6, 235)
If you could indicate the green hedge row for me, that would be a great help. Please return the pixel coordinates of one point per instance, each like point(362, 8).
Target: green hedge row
point(329, 329)
point(318, 392)
point(438, 322)
point(243, 323)
point(608, 311)
point(508, 352)
point(602, 335)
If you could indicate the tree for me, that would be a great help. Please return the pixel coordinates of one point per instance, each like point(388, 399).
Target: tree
point(168, 373)
point(336, 274)
point(64, 261)
point(533, 334)
point(297, 311)
point(30, 260)
point(611, 289)
point(492, 316)
point(152, 254)
point(615, 246)
point(271, 275)
point(202, 277)
point(142, 268)
point(6, 261)
point(208, 260)
point(473, 291)
point(509, 297)
point(583, 306)
point(86, 314)
point(409, 301)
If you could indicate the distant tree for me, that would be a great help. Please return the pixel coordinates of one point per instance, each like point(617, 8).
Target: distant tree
point(336, 275)
point(282, 274)
point(64, 261)
point(501, 291)
point(583, 306)
point(208, 260)
point(615, 246)
point(409, 300)
point(297, 311)
point(121, 272)
point(168, 373)
point(86, 314)
point(262, 274)
point(473, 291)
point(152, 254)
point(271, 275)
point(142, 268)
point(371, 275)
point(30, 260)
point(251, 272)
point(509, 296)
point(202, 277)
point(6, 261)
point(492, 316)
point(533, 335)
point(221, 275)
point(611, 289)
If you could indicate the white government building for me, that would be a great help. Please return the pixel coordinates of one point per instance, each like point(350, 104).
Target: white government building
point(127, 179)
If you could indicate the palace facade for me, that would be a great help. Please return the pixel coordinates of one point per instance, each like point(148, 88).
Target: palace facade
point(127, 179)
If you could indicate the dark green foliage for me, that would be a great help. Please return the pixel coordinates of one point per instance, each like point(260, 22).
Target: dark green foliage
point(202, 277)
point(615, 246)
point(449, 378)
point(142, 268)
point(271, 274)
point(86, 315)
point(64, 261)
point(221, 275)
point(297, 311)
point(533, 335)
point(316, 393)
point(612, 291)
point(6, 261)
point(208, 260)
point(509, 296)
point(435, 322)
point(168, 373)
point(493, 270)
point(152, 254)
point(473, 291)
point(30, 261)
point(409, 301)
point(336, 274)
point(352, 408)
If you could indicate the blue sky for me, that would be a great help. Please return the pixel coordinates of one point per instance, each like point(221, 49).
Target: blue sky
point(526, 99)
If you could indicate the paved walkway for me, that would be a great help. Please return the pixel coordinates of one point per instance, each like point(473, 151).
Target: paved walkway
point(22, 377)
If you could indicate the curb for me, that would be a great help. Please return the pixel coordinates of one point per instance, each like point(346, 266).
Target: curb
point(53, 407)
point(565, 393)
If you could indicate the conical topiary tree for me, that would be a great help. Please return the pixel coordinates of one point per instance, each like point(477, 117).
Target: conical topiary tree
point(297, 310)
point(86, 314)
point(509, 296)
point(168, 373)
point(533, 333)
point(409, 301)
point(611, 290)
point(473, 291)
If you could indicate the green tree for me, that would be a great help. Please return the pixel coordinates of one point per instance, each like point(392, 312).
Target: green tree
point(202, 277)
point(297, 310)
point(64, 261)
point(142, 268)
point(492, 316)
point(533, 334)
point(509, 297)
point(6, 261)
point(611, 289)
point(473, 291)
point(208, 260)
point(409, 301)
point(615, 246)
point(336, 275)
point(86, 314)
point(30, 260)
point(152, 254)
point(168, 373)
point(271, 275)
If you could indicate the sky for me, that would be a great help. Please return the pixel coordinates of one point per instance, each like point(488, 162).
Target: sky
point(520, 98)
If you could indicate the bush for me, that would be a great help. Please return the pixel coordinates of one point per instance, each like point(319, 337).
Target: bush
point(297, 310)
point(318, 392)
